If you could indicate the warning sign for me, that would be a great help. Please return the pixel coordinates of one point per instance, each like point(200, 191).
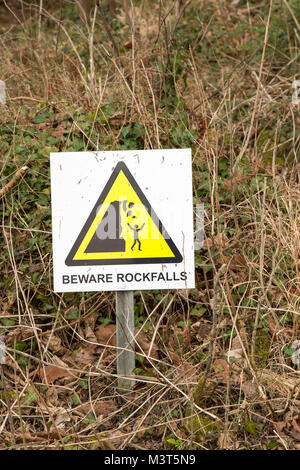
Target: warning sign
point(122, 220)
point(122, 228)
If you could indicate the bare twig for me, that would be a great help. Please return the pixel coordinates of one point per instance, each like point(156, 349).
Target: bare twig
point(245, 145)
point(130, 22)
point(8, 187)
point(292, 14)
point(40, 20)
point(10, 420)
point(108, 28)
point(215, 312)
point(178, 18)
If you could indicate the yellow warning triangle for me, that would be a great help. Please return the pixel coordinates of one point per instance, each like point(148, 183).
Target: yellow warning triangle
point(122, 228)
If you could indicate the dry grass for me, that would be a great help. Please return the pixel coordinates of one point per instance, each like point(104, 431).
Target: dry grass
point(219, 373)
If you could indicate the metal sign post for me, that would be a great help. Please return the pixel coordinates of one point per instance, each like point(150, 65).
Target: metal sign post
point(125, 340)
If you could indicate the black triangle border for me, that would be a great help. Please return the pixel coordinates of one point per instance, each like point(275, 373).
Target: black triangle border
point(71, 262)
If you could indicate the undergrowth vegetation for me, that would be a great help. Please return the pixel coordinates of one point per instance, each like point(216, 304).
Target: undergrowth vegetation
point(216, 366)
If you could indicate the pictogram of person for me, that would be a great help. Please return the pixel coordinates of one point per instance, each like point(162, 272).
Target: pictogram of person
point(136, 229)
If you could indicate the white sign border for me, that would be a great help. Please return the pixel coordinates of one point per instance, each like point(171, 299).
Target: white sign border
point(165, 177)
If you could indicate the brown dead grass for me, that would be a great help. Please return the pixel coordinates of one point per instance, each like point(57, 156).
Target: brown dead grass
point(232, 331)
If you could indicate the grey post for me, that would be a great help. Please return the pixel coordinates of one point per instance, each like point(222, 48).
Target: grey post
point(125, 340)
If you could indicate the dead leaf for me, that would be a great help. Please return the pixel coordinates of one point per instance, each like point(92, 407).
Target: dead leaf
point(226, 440)
point(116, 437)
point(49, 374)
point(237, 262)
point(61, 418)
point(106, 335)
point(90, 335)
point(174, 333)
point(186, 337)
point(91, 320)
point(236, 351)
point(272, 324)
point(295, 434)
point(184, 293)
point(276, 296)
point(295, 429)
point(174, 358)
point(128, 44)
point(68, 358)
point(59, 130)
point(249, 389)
point(27, 437)
point(175, 429)
point(35, 268)
point(89, 325)
point(107, 359)
point(143, 343)
point(19, 334)
point(235, 354)
point(51, 396)
point(42, 208)
point(296, 425)
point(219, 240)
point(85, 355)
point(221, 369)
point(201, 331)
point(140, 431)
point(53, 342)
point(280, 425)
point(101, 408)
point(186, 373)
point(38, 436)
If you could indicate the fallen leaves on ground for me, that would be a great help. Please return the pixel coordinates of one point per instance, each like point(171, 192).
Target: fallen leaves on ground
point(217, 240)
point(115, 438)
point(37, 437)
point(51, 396)
point(200, 330)
point(50, 373)
point(249, 389)
point(186, 373)
point(221, 369)
point(174, 357)
point(235, 354)
point(290, 425)
point(85, 355)
point(52, 342)
point(19, 334)
point(59, 130)
point(102, 408)
point(106, 336)
point(227, 440)
point(61, 419)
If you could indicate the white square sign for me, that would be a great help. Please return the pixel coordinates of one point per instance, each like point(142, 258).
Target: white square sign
point(122, 220)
